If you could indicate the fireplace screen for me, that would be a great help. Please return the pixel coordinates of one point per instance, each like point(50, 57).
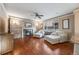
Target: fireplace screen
point(27, 32)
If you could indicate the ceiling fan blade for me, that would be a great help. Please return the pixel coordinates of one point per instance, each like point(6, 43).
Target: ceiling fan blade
point(37, 15)
point(41, 15)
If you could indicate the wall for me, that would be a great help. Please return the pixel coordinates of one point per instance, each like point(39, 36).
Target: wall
point(3, 18)
point(71, 23)
point(17, 24)
point(2, 25)
point(38, 24)
point(76, 14)
point(50, 22)
point(76, 31)
point(59, 19)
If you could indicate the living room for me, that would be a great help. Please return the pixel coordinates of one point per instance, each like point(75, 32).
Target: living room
point(39, 28)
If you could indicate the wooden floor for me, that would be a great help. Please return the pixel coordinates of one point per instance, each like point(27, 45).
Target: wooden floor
point(38, 46)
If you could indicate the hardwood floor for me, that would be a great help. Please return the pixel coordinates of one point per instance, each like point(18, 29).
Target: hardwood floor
point(38, 46)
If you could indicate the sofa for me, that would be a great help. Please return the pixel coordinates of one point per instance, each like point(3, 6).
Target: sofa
point(57, 37)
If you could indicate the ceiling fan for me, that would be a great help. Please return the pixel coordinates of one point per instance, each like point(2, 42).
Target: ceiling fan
point(38, 15)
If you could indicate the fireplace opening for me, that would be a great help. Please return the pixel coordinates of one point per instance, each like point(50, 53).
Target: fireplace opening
point(27, 32)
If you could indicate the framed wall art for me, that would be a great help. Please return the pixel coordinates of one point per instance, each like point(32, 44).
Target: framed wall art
point(65, 24)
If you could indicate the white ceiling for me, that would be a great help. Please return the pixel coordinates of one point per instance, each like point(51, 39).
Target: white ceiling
point(49, 10)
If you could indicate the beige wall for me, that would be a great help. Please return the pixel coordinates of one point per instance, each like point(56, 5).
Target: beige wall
point(16, 28)
point(2, 25)
point(71, 23)
point(4, 17)
point(17, 24)
point(60, 19)
point(49, 22)
point(76, 14)
point(38, 25)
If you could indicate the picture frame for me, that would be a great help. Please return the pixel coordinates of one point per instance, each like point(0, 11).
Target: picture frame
point(65, 24)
